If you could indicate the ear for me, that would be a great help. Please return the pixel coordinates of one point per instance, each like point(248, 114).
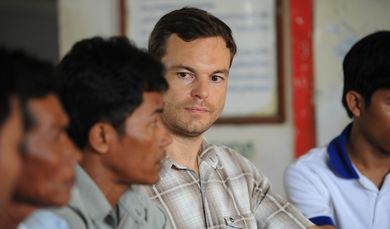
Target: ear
point(100, 137)
point(355, 103)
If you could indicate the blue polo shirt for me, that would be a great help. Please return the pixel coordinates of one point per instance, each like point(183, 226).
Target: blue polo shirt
point(329, 190)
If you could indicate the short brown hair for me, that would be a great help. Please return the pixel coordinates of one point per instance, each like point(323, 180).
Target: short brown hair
point(189, 24)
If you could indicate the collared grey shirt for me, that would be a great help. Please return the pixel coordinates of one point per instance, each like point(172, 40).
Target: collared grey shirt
point(89, 209)
point(228, 192)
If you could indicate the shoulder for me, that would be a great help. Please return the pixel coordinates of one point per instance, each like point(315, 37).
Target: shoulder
point(231, 158)
point(136, 195)
point(313, 161)
point(43, 219)
point(135, 201)
point(309, 174)
point(235, 165)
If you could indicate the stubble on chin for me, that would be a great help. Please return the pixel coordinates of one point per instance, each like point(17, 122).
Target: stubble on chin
point(179, 125)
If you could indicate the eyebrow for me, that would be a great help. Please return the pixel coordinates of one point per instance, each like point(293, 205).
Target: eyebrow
point(159, 110)
point(223, 71)
point(182, 67)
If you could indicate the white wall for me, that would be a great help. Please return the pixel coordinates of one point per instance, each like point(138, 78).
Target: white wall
point(80, 19)
point(272, 143)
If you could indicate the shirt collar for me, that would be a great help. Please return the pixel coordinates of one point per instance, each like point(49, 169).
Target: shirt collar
point(132, 204)
point(207, 153)
point(339, 161)
point(94, 201)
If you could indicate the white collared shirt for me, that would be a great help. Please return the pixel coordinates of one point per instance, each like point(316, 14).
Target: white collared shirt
point(326, 186)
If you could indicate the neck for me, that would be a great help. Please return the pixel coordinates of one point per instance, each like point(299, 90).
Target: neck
point(185, 151)
point(14, 214)
point(371, 161)
point(104, 177)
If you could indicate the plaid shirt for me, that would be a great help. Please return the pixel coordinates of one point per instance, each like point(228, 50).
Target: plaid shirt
point(229, 192)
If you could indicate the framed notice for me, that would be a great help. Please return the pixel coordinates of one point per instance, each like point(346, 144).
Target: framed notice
point(255, 93)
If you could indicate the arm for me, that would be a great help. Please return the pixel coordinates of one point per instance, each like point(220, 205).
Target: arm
point(273, 211)
point(305, 190)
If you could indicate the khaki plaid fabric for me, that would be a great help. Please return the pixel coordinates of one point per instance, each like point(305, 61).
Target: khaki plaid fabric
point(229, 192)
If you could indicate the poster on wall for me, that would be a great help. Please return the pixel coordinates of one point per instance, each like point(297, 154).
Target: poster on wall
point(254, 91)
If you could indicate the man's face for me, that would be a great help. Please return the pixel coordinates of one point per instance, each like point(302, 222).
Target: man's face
point(10, 138)
point(197, 73)
point(138, 153)
point(374, 122)
point(50, 156)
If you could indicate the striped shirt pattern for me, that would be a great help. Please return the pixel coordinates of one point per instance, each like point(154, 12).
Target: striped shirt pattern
point(229, 192)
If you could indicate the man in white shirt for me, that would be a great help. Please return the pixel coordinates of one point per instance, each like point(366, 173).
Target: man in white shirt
point(346, 184)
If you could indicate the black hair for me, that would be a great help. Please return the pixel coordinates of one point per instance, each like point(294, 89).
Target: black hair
point(189, 23)
point(104, 80)
point(367, 67)
point(7, 86)
point(31, 78)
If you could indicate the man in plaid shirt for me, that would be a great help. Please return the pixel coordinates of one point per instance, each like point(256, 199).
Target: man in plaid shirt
point(204, 185)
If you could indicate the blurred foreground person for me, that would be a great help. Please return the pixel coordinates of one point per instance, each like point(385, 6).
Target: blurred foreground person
point(10, 130)
point(48, 155)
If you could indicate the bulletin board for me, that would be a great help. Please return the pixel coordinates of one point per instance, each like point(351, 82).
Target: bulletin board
point(255, 91)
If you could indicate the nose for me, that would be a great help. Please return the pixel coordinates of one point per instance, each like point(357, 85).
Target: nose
point(200, 89)
point(165, 137)
point(74, 154)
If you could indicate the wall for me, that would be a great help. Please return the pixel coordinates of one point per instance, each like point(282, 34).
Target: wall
point(80, 19)
point(30, 25)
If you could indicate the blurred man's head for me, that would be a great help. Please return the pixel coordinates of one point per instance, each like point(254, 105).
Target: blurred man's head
point(48, 154)
point(113, 94)
point(10, 128)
